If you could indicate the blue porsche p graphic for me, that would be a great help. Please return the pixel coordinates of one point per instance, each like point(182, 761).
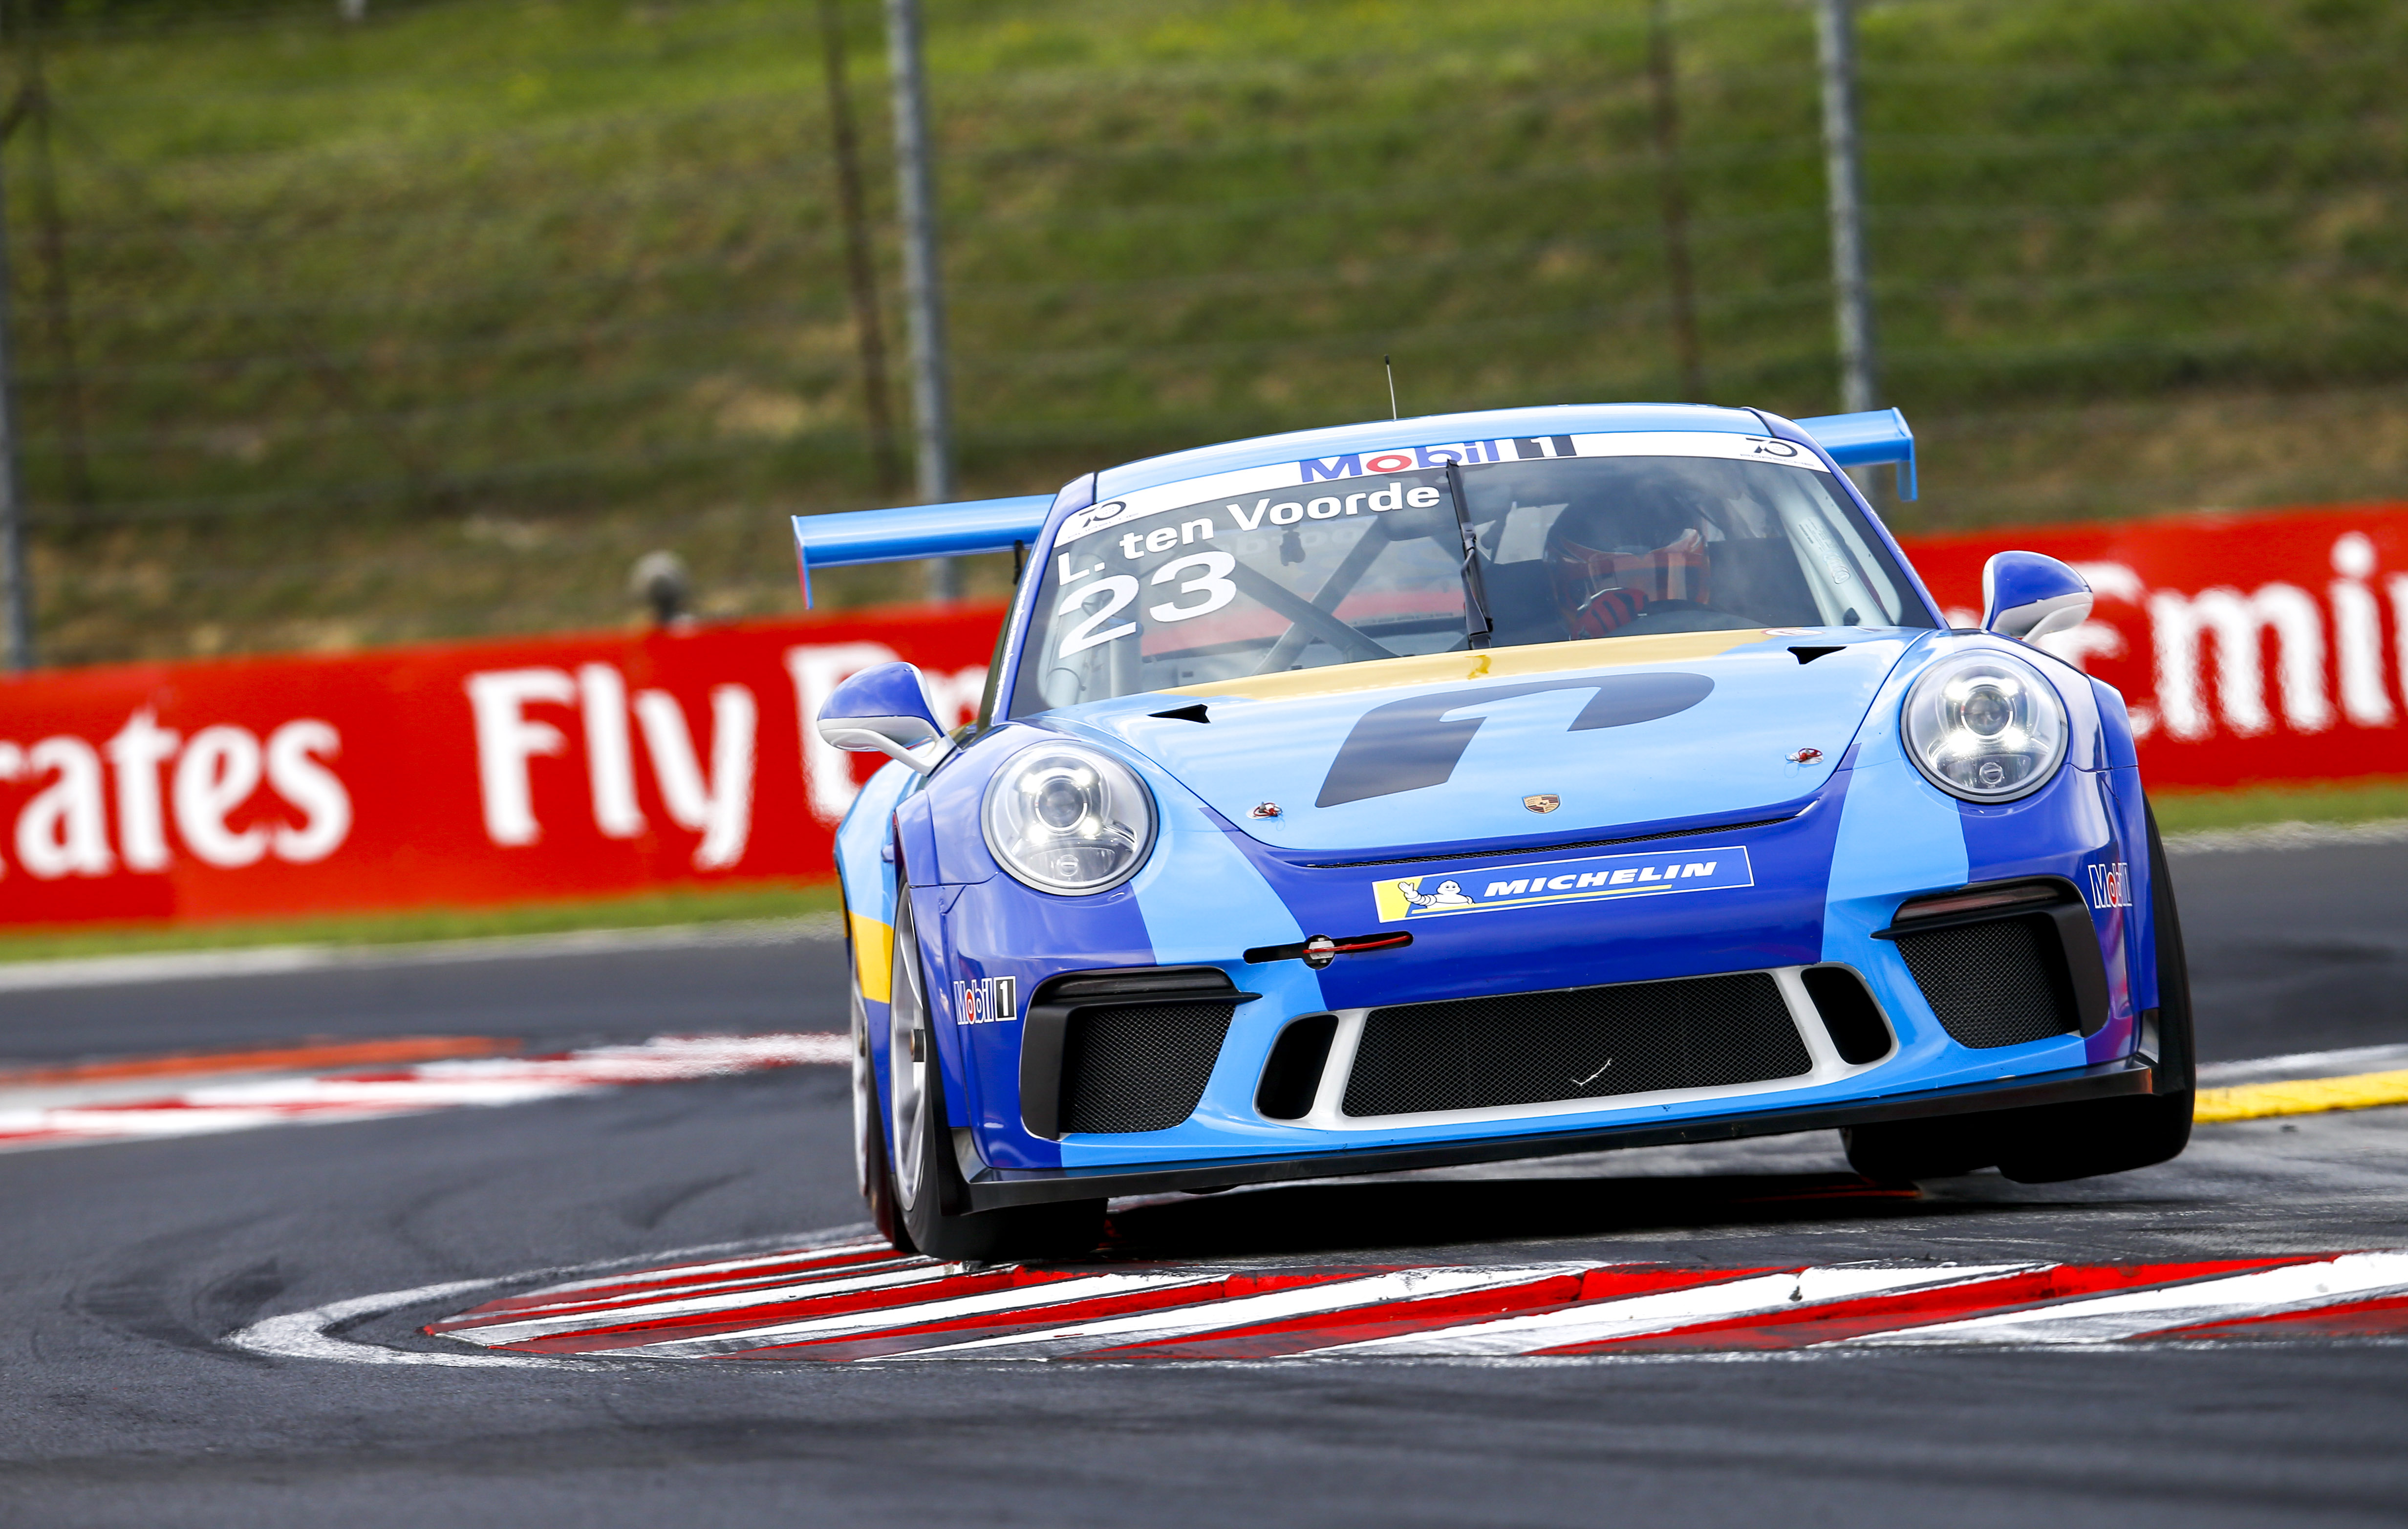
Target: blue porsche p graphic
point(1562, 881)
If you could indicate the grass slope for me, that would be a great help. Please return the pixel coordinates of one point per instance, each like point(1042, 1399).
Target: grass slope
point(647, 911)
point(428, 326)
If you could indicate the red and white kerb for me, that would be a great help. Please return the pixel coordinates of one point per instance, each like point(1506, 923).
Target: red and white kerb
point(859, 1301)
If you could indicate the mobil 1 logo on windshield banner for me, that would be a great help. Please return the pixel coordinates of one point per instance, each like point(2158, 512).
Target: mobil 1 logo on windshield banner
point(1590, 879)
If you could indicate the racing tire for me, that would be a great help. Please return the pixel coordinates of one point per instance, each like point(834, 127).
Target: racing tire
point(930, 1196)
point(873, 1170)
point(1901, 1151)
point(2048, 1144)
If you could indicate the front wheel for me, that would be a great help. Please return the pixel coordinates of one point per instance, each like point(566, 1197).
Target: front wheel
point(931, 1199)
point(873, 1171)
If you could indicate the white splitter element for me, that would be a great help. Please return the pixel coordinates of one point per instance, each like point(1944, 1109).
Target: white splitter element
point(1633, 1316)
point(1245, 1311)
point(2107, 1319)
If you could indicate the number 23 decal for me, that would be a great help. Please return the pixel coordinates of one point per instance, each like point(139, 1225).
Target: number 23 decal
point(1211, 579)
point(1211, 582)
point(1084, 635)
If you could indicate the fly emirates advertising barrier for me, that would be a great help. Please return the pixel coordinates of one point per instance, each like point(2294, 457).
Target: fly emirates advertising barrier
point(2257, 648)
point(455, 775)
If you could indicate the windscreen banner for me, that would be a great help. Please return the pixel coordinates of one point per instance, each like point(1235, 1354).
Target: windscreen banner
point(2268, 647)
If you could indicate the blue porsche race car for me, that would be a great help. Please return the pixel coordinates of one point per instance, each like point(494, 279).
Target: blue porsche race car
point(1490, 786)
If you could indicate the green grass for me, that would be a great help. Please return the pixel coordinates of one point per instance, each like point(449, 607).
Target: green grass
point(428, 327)
point(759, 901)
point(2181, 813)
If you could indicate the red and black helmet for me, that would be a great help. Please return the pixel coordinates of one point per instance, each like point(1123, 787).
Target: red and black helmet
point(1606, 564)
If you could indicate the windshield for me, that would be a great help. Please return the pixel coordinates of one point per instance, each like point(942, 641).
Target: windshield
point(1571, 536)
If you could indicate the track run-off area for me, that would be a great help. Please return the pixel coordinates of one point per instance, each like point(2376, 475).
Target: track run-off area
point(565, 1230)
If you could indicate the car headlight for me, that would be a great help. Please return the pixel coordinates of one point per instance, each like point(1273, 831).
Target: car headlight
point(1984, 726)
point(1069, 819)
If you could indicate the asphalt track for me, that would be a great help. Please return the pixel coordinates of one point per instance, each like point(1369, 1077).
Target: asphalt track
point(124, 1267)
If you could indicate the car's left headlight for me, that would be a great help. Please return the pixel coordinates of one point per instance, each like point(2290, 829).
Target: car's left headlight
point(1069, 820)
point(1984, 726)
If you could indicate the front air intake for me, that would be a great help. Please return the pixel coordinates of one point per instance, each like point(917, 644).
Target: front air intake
point(1112, 1053)
point(1574, 1043)
point(2005, 966)
point(1140, 1068)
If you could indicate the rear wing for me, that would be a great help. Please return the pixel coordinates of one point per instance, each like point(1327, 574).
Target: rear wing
point(898, 535)
point(1860, 440)
point(998, 526)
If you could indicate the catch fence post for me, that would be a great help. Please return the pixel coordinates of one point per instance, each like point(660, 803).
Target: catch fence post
point(14, 572)
point(923, 280)
point(1835, 30)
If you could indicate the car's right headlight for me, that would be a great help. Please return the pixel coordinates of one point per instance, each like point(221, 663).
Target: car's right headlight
point(1984, 726)
point(1069, 820)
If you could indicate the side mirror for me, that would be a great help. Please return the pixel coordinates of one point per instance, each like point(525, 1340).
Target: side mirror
point(885, 711)
point(2025, 595)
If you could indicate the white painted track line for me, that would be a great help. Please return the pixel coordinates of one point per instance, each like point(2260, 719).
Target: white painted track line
point(497, 1334)
point(1246, 1310)
point(1634, 1315)
point(1022, 1298)
point(2107, 1319)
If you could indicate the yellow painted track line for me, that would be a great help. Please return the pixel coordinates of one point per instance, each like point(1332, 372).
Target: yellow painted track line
point(2302, 1096)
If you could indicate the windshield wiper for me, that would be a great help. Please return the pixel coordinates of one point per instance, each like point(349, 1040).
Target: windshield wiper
point(1476, 623)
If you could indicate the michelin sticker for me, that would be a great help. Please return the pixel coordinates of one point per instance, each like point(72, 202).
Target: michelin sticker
point(1562, 881)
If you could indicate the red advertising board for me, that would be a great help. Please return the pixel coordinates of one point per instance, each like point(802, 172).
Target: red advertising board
point(455, 775)
point(2265, 647)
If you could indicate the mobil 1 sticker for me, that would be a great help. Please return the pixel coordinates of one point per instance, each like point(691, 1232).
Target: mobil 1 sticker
point(1594, 879)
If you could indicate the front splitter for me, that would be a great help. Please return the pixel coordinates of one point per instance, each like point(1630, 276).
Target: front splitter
point(996, 1188)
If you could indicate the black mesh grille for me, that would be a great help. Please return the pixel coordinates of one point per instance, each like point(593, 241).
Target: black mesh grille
point(1140, 1068)
point(1993, 983)
point(1574, 1043)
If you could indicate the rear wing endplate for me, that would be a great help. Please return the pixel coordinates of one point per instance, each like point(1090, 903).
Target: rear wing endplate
point(897, 535)
point(1860, 440)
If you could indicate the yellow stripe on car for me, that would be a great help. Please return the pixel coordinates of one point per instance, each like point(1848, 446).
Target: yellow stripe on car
point(873, 957)
point(2300, 1096)
point(1486, 664)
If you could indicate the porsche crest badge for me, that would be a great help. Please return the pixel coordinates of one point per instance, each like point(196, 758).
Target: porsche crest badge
point(1546, 801)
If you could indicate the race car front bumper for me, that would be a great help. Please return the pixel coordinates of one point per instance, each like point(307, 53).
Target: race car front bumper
point(996, 1188)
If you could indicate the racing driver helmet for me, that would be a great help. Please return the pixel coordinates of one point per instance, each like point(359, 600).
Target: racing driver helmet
point(1607, 563)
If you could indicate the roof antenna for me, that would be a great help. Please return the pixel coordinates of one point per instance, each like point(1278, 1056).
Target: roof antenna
point(1392, 385)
